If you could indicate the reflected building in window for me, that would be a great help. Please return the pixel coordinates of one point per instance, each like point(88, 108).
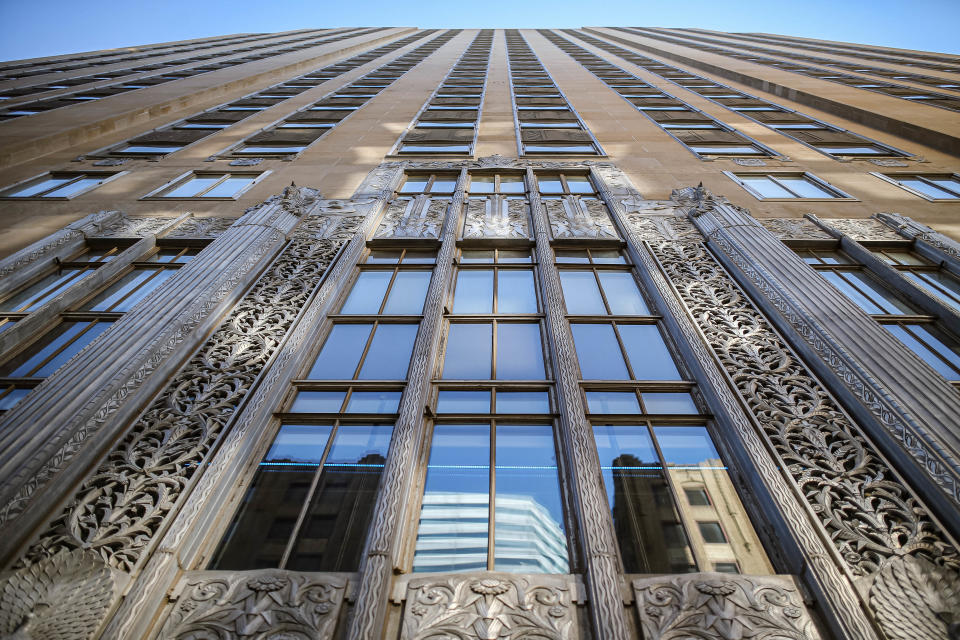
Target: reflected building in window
point(480, 333)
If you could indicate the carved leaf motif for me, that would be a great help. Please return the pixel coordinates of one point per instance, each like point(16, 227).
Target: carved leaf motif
point(488, 607)
point(867, 513)
point(413, 218)
point(863, 229)
point(201, 228)
point(795, 228)
point(118, 510)
point(265, 604)
point(916, 600)
point(495, 218)
point(570, 218)
point(63, 597)
point(133, 227)
point(718, 606)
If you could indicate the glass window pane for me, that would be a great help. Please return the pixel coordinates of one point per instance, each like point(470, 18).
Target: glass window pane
point(373, 402)
point(318, 402)
point(42, 292)
point(516, 292)
point(262, 527)
point(648, 355)
point(942, 285)
point(529, 532)
point(711, 532)
point(474, 292)
point(948, 362)
point(335, 528)
point(508, 257)
point(887, 300)
point(519, 354)
point(444, 184)
point(581, 293)
point(367, 293)
point(622, 293)
point(455, 512)
point(697, 497)
point(523, 402)
point(926, 188)
point(646, 523)
point(476, 255)
point(388, 256)
point(550, 184)
point(389, 354)
point(38, 187)
point(414, 184)
point(572, 256)
point(449, 401)
point(72, 188)
point(765, 187)
point(607, 256)
point(481, 184)
point(191, 187)
point(669, 403)
point(846, 289)
point(419, 257)
point(512, 184)
point(688, 447)
point(408, 293)
point(229, 187)
point(68, 338)
point(129, 290)
point(341, 352)
point(579, 184)
point(612, 402)
point(469, 351)
point(805, 188)
point(10, 400)
point(598, 352)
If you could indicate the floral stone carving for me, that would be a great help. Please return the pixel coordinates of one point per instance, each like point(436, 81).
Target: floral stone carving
point(418, 218)
point(721, 606)
point(489, 606)
point(863, 229)
point(63, 597)
point(269, 604)
point(133, 227)
point(584, 219)
point(496, 218)
point(201, 228)
point(794, 229)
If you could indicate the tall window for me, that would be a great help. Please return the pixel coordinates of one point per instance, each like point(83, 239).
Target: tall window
point(917, 331)
point(77, 328)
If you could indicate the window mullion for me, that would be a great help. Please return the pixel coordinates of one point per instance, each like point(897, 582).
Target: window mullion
point(216, 184)
point(491, 499)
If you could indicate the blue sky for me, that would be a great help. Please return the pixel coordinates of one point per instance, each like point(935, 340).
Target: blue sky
point(49, 27)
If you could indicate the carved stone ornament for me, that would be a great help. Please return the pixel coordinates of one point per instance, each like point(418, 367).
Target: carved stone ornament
point(416, 218)
point(574, 218)
point(201, 228)
point(794, 229)
point(655, 221)
point(930, 595)
point(496, 218)
point(489, 606)
point(132, 227)
point(269, 604)
point(110, 162)
point(863, 228)
point(720, 606)
point(246, 162)
point(888, 162)
point(491, 162)
point(749, 162)
point(921, 232)
point(63, 597)
point(118, 510)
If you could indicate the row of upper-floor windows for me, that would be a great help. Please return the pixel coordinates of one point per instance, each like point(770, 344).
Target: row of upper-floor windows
point(937, 187)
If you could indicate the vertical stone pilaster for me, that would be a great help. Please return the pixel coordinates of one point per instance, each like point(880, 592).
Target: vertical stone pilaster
point(927, 242)
point(904, 405)
point(603, 579)
point(385, 541)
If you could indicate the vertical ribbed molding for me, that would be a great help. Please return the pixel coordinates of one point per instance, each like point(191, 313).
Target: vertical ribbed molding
point(285, 310)
point(54, 434)
point(905, 407)
point(603, 578)
point(383, 554)
point(655, 231)
point(927, 242)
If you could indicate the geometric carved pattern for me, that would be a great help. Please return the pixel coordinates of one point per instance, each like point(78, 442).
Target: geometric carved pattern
point(417, 218)
point(930, 594)
point(574, 218)
point(63, 597)
point(270, 603)
point(721, 606)
point(496, 218)
point(489, 606)
point(118, 510)
point(869, 516)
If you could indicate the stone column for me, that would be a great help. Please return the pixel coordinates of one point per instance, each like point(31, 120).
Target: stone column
point(383, 552)
point(52, 436)
point(601, 556)
point(927, 242)
point(905, 407)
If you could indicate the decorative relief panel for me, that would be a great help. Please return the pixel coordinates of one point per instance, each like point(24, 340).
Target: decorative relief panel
point(869, 516)
point(863, 229)
point(201, 228)
point(921, 232)
point(490, 606)
point(418, 218)
point(496, 218)
point(653, 221)
point(794, 229)
point(573, 218)
point(132, 227)
point(721, 606)
point(266, 605)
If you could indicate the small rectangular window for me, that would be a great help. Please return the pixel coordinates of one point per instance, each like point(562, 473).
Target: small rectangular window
point(786, 186)
point(208, 185)
point(60, 184)
point(930, 186)
point(712, 532)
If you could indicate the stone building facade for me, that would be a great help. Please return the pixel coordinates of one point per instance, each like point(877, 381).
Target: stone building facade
point(365, 333)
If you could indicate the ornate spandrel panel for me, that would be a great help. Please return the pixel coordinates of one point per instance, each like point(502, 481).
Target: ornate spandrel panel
point(795, 229)
point(496, 217)
point(863, 229)
point(201, 228)
point(720, 606)
point(132, 227)
point(420, 217)
point(575, 218)
point(269, 603)
point(491, 606)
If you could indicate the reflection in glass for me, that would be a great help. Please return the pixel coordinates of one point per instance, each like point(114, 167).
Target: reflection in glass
point(53, 349)
point(647, 352)
point(469, 351)
point(389, 354)
point(622, 293)
point(474, 292)
point(598, 352)
point(581, 293)
point(408, 293)
point(449, 401)
point(516, 292)
point(523, 402)
point(367, 293)
point(341, 352)
point(519, 354)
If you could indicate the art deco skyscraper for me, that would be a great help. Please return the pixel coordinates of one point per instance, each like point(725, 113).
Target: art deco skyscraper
point(594, 334)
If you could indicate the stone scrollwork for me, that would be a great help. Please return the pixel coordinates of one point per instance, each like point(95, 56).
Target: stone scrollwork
point(490, 606)
point(904, 225)
point(201, 228)
point(116, 513)
point(496, 218)
point(584, 219)
point(417, 218)
point(653, 221)
point(63, 597)
point(794, 229)
point(269, 604)
point(721, 606)
point(132, 227)
point(863, 229)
